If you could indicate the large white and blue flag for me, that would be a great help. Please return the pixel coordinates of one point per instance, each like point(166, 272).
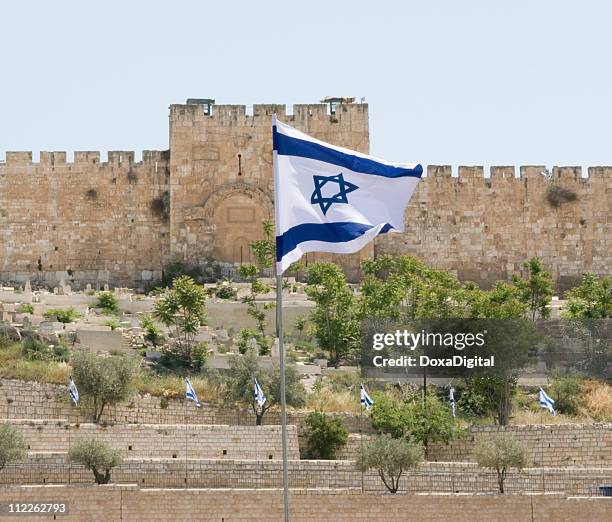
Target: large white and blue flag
point(259, 397)
point(547, 402)
point(72, 390)
point(332, 199)
point(191, 394)
point(364, 398)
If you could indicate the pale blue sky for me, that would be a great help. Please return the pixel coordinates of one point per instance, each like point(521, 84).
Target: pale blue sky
point(452, 82)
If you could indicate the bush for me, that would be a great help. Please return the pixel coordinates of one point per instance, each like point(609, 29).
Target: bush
point(12, 445)
point(35, 350)
point(102, 380)
point(97, 457)
point(566, 392)
point(63, 316)
point(225, 291)
point(107, 301)
point(390, 457)
point(324, 436)
point(152, 332)
point(500, 453)
point(597, 398)
point(112, 324)
point(26, 308)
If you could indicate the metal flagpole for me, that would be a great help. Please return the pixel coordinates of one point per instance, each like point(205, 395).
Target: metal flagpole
point(361, 433)
point(281, 352)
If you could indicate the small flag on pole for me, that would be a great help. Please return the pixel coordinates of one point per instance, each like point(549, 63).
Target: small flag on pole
point(191, 394)
point(451, 396)
point(72, 390)
point(365, 399)
point(332, 199)
point(260, 398)
point(547, 402)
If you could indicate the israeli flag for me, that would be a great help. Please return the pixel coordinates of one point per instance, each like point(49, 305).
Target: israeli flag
point(331, 199)
point(72, 390)
point(547, 402)
point(260, 398)
point(191, 394)
point(365, 399)
point(451, 396)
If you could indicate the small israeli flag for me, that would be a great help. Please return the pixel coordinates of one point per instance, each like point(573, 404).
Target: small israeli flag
point(260, 398)
point(547, 402)
point(451, 396)
point(365, 399)
point(72, 390)
point(191, 394)
point(331, 199)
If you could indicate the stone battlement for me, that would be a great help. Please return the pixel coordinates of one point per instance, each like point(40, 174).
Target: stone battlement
point(85, 157)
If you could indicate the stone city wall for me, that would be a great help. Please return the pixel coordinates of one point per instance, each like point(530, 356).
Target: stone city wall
point(121, 222)
point(110, 503)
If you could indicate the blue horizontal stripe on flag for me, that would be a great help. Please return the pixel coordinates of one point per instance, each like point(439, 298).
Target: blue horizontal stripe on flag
point(327, 232)
point(289, 146)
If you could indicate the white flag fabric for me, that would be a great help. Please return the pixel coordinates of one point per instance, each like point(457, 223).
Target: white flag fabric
point(260, 398)
point(332, 199)
point(191, 394)
point(364, 398)
point(451, 396)
point(547, 402)
point(72, 390)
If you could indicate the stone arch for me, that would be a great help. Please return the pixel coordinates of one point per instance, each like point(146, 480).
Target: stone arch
point(234, 214)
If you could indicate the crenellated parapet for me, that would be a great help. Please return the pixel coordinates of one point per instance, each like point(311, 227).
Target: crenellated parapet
point(81, 158)
point(525, 172)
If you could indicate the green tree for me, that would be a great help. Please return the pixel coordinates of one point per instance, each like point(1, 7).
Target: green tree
point(97, 457)
point(500, 453)
point(390, 458)
point(336, 326)
point(12, 445)
point(240, 387)
point(536, 289)
point(592, 299)
point(107, 301)
point(324, 436)
point(102, 380)
point(63, 316)
point(183, 310)
point(257, 310)
point(425, 422)
point(264, 249)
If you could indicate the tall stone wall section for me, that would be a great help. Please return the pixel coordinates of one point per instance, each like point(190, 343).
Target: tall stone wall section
point(85, 221)
point(110, 503)
point(484, 229)
point(221, 174)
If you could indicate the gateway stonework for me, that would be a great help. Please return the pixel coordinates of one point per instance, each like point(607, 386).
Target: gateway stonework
point(121, 222)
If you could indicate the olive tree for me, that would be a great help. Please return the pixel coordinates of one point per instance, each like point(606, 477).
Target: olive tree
point(244, 369)
point(97, 457)
point(390, 458)
point(102, 380)
point(500, 453)
point(12, 445)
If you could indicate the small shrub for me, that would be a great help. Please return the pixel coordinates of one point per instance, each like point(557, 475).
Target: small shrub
point(26, 308)
point(324, 436)
point(107, 301)
point(152, 332)
point(12, 445)
point(225, 291)
point(63, 316)
point(112, 323)
point(36, 350)
point(566, 392)
point(61, 352)
point(500, 453)
point(597, 399)
point(97, 457)
point(556, 195)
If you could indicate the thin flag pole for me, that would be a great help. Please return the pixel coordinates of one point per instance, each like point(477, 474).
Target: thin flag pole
point(186, 443)
point(281, 353)
point(361, 433)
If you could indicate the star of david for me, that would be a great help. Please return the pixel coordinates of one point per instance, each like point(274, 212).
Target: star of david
point(344, 188)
